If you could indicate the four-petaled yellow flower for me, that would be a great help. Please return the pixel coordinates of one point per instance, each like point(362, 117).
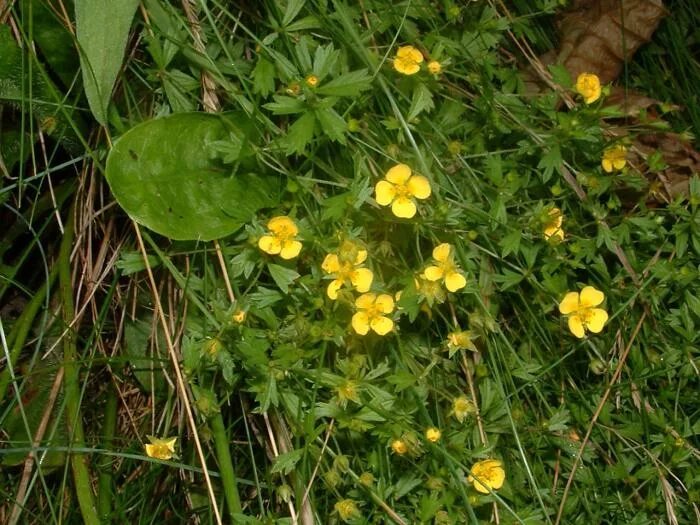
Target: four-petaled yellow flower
point(346, 509)
point(582, 312)
point(487, 475)
point(407, 60)
point(371, 309)
point(399, 447)
point(400, 189)
point(552, 228)
point(445, 269)
point(614, 158)
point(462, 340)
point(239, 316)
point(462, 407)
point(345, 270)
point(588, 86)
point(434, 67)
point(281, 239)
point(311, 81)
point(433, 434)
point(160, 448)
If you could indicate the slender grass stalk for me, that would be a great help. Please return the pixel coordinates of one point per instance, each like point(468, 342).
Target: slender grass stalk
point(223, 456)
point(104, 485)
point(81, 474)
point(18, 337)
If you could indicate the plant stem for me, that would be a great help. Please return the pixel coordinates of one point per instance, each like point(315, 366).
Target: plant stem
point(71, 384)
point(223, 456)
point(104, 494)
point(18, 336)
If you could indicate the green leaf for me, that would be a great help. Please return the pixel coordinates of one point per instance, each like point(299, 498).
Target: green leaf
point(292, 10)
point(102, 29)
point(347, 85)
point(263, 77)
point(332, 124)
point(422, 101)
point(162, 172)
point(285, 106)
point(286, 462)
point(132, 262)
point(282, 276)
point(300, 133)
point(146, 369)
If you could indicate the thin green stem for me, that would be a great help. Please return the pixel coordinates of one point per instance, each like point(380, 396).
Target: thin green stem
point(71, 383)
point(223, 456)
point(105, 493)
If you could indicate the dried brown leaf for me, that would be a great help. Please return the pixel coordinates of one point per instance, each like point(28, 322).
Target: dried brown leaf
point(598, 36)
point(631, 103)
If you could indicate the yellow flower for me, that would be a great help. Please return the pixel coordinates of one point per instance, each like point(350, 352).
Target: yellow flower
point(487, 475)
point(346, 267)
point(614, 158)
point(369, 315)
point(400, 189)
point(582, 312)
point(160, 448)
point(347, 391)
point(311, 81)
point(346, 509)
point(399, 447)
point(588, 86)
point(462, 407)
point(461, 341)
point(281, 239)
point(433, 434)
point(552, 228)
point(238, 316)
point(434, 67)
point(445, 269)
point(407, 59)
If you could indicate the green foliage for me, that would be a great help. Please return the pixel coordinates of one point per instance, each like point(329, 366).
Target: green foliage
point(167, 174)
point(102, 30)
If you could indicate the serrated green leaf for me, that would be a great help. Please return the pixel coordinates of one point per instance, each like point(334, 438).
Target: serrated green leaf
point(282, 276)
point(102, 29)
point(347, 85)
point(285, 105)
point(286, 462)
point(300, 133)
point(422, 100)
point(332, 124)
point(263, 77)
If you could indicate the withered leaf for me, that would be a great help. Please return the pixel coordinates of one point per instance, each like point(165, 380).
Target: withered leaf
point(598, 36)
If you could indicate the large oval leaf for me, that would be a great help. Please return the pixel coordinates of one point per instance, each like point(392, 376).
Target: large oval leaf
point(166, 174)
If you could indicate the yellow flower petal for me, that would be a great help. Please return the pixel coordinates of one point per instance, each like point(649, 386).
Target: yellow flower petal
point(362, 279)
point(385, 303)
point(607, 165)
point(365, 301)
point(569, 303)
point(290, 249)
point(433, 273)
point(361, 257)
point(442, 252)
point(270, 244)
point(487, 475)
point(554, 231)
point(382, 325)
point(331, 264)
point(283, 224)
point(333, 287)
point(576, 326)
point(403, 207)
point(360, 323)
point(455, 281)
point(588, 86)
point(596, 319)
point(398, 174)
point(384, 192)
point(590, 297)
point(419, 187)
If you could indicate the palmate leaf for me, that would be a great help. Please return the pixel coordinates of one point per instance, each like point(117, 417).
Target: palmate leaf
point(166, 176)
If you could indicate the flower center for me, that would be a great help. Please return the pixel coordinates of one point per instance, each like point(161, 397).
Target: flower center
point(284, 233)
point(402, 191)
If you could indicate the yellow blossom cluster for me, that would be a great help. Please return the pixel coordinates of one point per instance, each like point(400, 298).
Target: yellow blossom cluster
point(346, 268)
